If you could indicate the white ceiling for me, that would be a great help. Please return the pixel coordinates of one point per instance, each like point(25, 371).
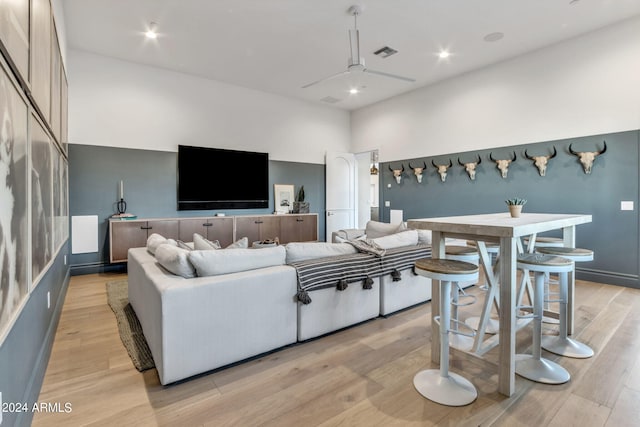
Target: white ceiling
point(278, 46)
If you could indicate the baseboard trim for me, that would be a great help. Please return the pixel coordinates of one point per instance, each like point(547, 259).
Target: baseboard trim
point(609, 277)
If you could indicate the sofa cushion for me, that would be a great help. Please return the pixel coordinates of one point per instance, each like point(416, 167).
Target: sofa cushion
point(200, 243)
point(175, 260)
point(404, 238)
point(302, 251)
point(184, 245)
point(155, 240)
point(375, 229)
point(223, 261)
point(239, 244)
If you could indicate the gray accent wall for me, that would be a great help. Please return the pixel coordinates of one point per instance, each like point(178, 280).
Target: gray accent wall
point(613, 234)
point(150, 190)
point(25, 352)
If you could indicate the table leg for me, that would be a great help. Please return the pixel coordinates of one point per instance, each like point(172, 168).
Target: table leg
point(506, 363)
point(569, 238)
point(437, 252)
point(490, 296)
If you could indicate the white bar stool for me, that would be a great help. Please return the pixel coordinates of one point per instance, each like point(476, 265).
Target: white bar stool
point(440, 385)
point(562, 344)
point(471, 255)
point(534, 366)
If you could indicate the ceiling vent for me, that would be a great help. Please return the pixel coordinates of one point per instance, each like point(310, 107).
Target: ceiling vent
point(330, 100)
point(385, 52)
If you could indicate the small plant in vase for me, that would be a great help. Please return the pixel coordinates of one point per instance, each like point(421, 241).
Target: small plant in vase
point(515, 205)
point(299, 205)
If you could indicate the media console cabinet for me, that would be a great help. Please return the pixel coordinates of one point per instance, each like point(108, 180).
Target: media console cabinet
point(133, 233)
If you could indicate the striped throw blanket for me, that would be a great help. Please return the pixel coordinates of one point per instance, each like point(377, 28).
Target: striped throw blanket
point(340, 271)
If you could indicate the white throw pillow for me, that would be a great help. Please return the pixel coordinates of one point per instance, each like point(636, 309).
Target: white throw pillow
point(375, 229)
point(200, 243)
point(184, 245)
point(302, 251)
point(239, 244)
point(176, 260)
point(155, 240)
point(398, 240)
point(213, 263)
point(424, 237)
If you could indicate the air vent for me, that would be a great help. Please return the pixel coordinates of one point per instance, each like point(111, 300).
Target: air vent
point(330, 100)
point(385, 52)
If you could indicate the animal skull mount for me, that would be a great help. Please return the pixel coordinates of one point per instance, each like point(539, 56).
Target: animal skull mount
point(503, 165)
point(541, 161)
point(587, 157)
point(418, 171)
point(397, 173)
point(442, 169)
point(470, 167)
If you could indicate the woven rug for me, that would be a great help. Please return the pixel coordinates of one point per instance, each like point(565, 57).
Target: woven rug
point(129, 325)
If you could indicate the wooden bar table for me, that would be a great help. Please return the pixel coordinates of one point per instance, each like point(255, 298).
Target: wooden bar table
point(507, 231)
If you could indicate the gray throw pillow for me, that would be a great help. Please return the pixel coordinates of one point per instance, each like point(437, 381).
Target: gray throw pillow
point(200, 243)
point(240, 244)
point(375, 229)
point(175, 260)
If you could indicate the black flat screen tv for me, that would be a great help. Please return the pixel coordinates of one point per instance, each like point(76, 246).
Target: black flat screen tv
point(213, 178)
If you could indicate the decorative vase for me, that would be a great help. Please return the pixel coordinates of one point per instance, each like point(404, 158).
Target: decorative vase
point(515, 210)
point(300, 207)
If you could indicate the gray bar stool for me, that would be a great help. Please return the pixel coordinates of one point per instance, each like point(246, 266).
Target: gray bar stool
point(471, 255)
point(562, 344)
point(534, 366)
point(440, 385)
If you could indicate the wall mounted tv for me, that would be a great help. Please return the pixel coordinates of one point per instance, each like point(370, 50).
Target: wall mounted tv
point(213, 178)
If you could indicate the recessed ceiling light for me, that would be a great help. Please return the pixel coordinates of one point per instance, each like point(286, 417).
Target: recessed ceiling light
point(353, 91)
point(152, 31)
point(444, 54)
point(493, 37)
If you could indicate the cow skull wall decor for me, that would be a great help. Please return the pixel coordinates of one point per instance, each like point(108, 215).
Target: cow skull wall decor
point(442, 169)
point(397, 173)
point(418, 171)
point(503, 165)
point(470, 167)
point(587, 157)
point(541, 161)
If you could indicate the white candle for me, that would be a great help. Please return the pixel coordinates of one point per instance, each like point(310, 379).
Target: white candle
point(121, 189)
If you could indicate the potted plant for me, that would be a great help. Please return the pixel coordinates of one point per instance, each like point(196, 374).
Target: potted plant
point(515, 205)
point(299, 205)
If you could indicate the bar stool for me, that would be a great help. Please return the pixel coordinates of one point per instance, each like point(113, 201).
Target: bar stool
point(471, 255)
point(562, 344)
point(545, 242)
point(440, 385)
point(534, 366)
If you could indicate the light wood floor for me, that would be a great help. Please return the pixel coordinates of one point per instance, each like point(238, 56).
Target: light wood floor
point(361, 376)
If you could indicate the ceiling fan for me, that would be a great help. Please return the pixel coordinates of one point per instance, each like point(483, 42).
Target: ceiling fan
point(356, 63)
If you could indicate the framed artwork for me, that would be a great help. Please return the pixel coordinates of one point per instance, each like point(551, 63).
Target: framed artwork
point(40, 50)
point(283, 196)
point(14, 256)
point(14, 33)
point(41, 199)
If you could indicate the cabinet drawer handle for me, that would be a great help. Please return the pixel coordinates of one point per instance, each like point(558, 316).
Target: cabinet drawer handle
point(207, 224)
point(299, 219)
point(258, 222)
point(146, 228)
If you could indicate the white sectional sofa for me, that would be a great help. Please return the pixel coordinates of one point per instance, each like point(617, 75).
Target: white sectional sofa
point(204, 309)
point(198, 324)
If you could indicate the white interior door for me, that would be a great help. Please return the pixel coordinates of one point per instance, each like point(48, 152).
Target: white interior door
point(341, 184)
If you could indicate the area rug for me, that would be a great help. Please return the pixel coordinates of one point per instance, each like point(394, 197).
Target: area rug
point(129, 325)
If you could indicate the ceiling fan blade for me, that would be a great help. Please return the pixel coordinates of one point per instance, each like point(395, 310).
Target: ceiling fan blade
point(325, 79)
point(394, 76)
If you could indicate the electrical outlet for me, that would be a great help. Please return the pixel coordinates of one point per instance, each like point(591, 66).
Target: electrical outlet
point(626, 205)
point(387, 204)
point(48, 299)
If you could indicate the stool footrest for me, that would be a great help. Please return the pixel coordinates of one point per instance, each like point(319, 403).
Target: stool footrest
point(464, 325)
point(526, 316)
point(473, 299)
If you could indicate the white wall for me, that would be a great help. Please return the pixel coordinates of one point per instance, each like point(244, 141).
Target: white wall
point(122, 104)
point(585, 86)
